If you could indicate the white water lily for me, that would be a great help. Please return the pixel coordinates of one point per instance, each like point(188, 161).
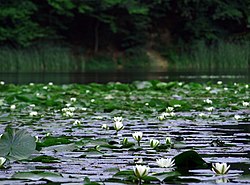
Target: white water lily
point(154, 143)
point(225, 89)
point(73, 99)
point(2, 161)
point(141, 171)
point(118, 119)
point(32, 105)
point(118, 126)
point(237, 117)
point(208, 88)
point(33, 113)
point(137, 136)
point(161, 117)
point(12, 107)
point(165, 163)
point(210, 109)
point(169, 109)
point(219, 82)
point(31, 84)
point(45, 87)
point(68, 114)
point(246, 86)
point(220, 168)
point(50, 83)
point(208, 101)
point(77, 122)
point(202, 115)
point(177, 105)
point(105, 126)
point(2, 82)
point(245, 104)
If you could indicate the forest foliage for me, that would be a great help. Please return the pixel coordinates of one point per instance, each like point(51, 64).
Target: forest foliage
point(121, 24)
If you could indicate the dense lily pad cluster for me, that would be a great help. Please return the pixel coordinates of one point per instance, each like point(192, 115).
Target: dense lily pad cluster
point(127, 132)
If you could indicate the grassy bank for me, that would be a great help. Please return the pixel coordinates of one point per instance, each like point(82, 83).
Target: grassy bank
point(223, 56)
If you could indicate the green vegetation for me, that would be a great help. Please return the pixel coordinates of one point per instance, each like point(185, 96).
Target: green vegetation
point(123, 30)
point(73, 133)
point(222, 56)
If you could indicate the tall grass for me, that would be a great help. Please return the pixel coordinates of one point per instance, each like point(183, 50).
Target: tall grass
point(39, 59)
point(222, 56)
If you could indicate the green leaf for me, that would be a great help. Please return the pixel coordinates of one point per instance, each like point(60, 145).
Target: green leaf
point(166, 175)
point(16, 144)
point(38, 175)
point(88, 182)
point(189, 160)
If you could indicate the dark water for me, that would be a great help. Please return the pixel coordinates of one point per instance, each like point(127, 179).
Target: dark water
point(125, 77)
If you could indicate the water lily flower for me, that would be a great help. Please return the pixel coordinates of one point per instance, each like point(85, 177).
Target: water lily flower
point(225, 89)
point(105, 126)
point(137, 136)
point(68, 114)
point(92, 100)
point(118, 126)
point(12, 107)
point(210, 109)
point(118, 119)
point(219, 82)
point(77, 122)
point(50, 83)
point(168, 141)
point(177, 105)
point(2, 161)
point(161, 117)
point(208, 101)
point(154, 143)
point(245, 104)
point(147, 104)
point(31, 84)
point(237, 117)
point(165, 163)
point(169, 109)
point(246, 86)
point(141, 171)
point(2, 82)
point(208, 88)
point(73, 99)
point(220, 168)
point(202, 115)
point(45, 87)
point(33, 113)
point(32, 105)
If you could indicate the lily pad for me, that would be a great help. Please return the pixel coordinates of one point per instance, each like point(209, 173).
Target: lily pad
point(16, 144)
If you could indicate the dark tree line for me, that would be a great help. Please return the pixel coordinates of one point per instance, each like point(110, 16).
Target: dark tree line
point(121, 24)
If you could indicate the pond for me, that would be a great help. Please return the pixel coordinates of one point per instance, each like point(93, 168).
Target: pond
point(126, 77)
point(78, 144)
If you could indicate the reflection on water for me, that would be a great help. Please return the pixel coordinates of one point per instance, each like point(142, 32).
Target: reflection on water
point(125, 77)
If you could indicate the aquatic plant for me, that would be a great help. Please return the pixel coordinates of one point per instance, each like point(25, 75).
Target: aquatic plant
point(137, 136)
point(220, 168)
point(165, 163)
